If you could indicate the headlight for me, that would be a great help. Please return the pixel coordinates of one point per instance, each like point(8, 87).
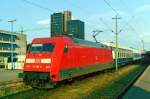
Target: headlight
point(30, 60)
point(45, 60)
point(47, 67)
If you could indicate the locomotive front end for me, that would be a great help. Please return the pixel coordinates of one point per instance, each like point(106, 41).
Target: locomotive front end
point(38, 65)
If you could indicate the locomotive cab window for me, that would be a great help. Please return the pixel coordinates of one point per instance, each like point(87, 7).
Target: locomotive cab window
point(46, 47)
point(65, 48)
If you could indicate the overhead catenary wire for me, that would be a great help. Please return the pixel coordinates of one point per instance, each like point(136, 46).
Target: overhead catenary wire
point(48, 9)
point(44, 8)
point(38, 5)
point(108, 27)
point(84, 10)
point(126, 23)
point(106, 2)
point(130, 20)
point(125, 5)
point(33, 29)
point(101, 18)
point(133, 16)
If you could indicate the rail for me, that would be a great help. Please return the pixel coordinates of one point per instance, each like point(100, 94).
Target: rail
point(125, 89)
point(11, 87)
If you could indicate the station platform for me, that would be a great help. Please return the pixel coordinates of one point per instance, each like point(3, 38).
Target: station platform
point(6, 75)
point(141, 88)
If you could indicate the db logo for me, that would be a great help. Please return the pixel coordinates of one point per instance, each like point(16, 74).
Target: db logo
point(37, 60)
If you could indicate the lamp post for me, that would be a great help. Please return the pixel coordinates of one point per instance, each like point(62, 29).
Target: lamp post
point(12, 55)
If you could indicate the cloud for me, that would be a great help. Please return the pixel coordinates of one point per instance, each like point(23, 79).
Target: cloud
point(73, 17)
point(44, 22)
point(143, 8)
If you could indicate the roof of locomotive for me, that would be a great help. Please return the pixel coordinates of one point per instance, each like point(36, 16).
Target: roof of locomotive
point(49, 39)
point(88, 43)
point(66, 39)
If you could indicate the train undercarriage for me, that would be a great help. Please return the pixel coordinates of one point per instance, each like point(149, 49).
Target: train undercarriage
point(37, 79)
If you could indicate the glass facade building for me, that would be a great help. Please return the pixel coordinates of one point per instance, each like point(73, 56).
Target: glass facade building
point(19, 45)
point(62, 24)
point(57, 24)
point(67, 17)
point(76, 28)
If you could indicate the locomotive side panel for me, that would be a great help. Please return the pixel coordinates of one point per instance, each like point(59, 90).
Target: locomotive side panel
point(84, 60)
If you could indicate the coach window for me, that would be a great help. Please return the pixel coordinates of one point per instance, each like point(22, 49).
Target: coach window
point(65, 48)
point(118, 54)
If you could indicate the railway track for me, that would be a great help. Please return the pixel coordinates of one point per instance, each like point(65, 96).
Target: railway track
point(25, 94)
point(102, 85)
point(129, 85)
point(7, 83)
point(117, 88)
point(11, 87)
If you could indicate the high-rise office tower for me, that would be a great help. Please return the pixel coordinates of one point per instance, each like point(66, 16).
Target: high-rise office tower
point(59, 23)
point(76, 28)
point(67, 17)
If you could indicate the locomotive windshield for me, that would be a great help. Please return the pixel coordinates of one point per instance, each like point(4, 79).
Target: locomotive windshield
point(38, 48)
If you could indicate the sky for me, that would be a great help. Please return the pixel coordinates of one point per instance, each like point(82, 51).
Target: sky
point(134, 20)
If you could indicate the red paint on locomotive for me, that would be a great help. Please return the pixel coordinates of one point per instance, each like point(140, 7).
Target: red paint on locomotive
point(76, 56)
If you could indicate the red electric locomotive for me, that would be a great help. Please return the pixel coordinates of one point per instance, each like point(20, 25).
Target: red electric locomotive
point(52, 60)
